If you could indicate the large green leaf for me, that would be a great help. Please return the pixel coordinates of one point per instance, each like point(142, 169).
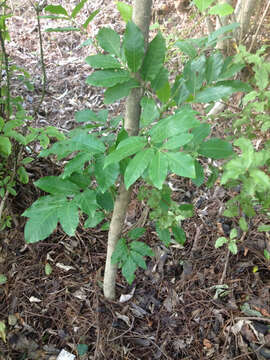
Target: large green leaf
point(76, 164)
point(5, 146)
point(86, 115)
point(55, 185)
point(200, 133)
point(102, 62)
point(39, 228)
point(133, 46)
point(216, 149)
point(108, 78)
point(86, 201)
point(69, 218)
point(44, 215)
point(213, 93)
point(109, 40)
point(160, 80)
point(141, 248)
point(107, 176)
point(56, 9)
point(179, 235)
point(194, 73)
point(187, 47)
point(149, 112)
point(88, 142)
point(214, 65)
point(158, 169)
point(181, 164)
point(93, 220)
point(119, 91)
point(178, 141)
point(125, 11)
point(128, 269)
point(236, 85)
point(127, 147)
point(137, 165)
point(154, 58)
point(202, 5)
point(223, 9)
point(173, 125)
point(199, 179)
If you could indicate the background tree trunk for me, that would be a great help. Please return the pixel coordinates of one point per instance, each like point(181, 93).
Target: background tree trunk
point(141, 17)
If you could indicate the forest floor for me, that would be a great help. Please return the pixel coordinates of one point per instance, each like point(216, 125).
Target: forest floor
point(192, 302)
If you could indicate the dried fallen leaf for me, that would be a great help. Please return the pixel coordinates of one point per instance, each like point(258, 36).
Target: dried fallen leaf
point(207, 344)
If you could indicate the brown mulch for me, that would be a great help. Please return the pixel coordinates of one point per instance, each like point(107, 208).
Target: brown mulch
point(172, 310)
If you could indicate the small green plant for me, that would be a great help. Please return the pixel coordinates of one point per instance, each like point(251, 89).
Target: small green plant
point(58, 12)
point(170, 141)
point(231, 241)
point(16, 133)
point(249, 170)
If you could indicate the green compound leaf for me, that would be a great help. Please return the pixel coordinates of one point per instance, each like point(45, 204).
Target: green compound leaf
point(136, 233)
point(128, 269)
point(23, 175)
point(76, 164)
point(108, 78)
point(137, 165)
point(149, 112)
point(181, 164)
point(141, 248)
point(216, 149)
point(56, 9)
point(214, 66)
point(39, 228)
point(138, 259)
point(177, 141)
point(84, 141)
point(121, 252)
point(94, 220)
point(109, 40)
point(179, 235)
point(158, 169)
point(133, 46)
point(202, 5)
point(223, 9)
point(154, 58)
point(125, 11)
point(55, 185)
point(86, 201)
point(127, 147)
point(69, 218)
point(119, 91)
point(232, 247)
point(180, 122)
point(102, 62)
point(107, 176)
point(5, 146)
point(220, 242)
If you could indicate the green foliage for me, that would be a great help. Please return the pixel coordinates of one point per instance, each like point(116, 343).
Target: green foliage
point(249, 171)
point(170, 141)
point(58, 12)
point(220, 9)
point(16, 132)
point(231, 241)
point(129, 255)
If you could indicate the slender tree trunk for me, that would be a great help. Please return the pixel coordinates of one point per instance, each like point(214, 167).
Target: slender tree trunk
point(243, 12)
point(141, 17)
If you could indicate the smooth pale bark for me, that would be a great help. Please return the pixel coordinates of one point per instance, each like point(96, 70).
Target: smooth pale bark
point(243, 12)
point(141, 17)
